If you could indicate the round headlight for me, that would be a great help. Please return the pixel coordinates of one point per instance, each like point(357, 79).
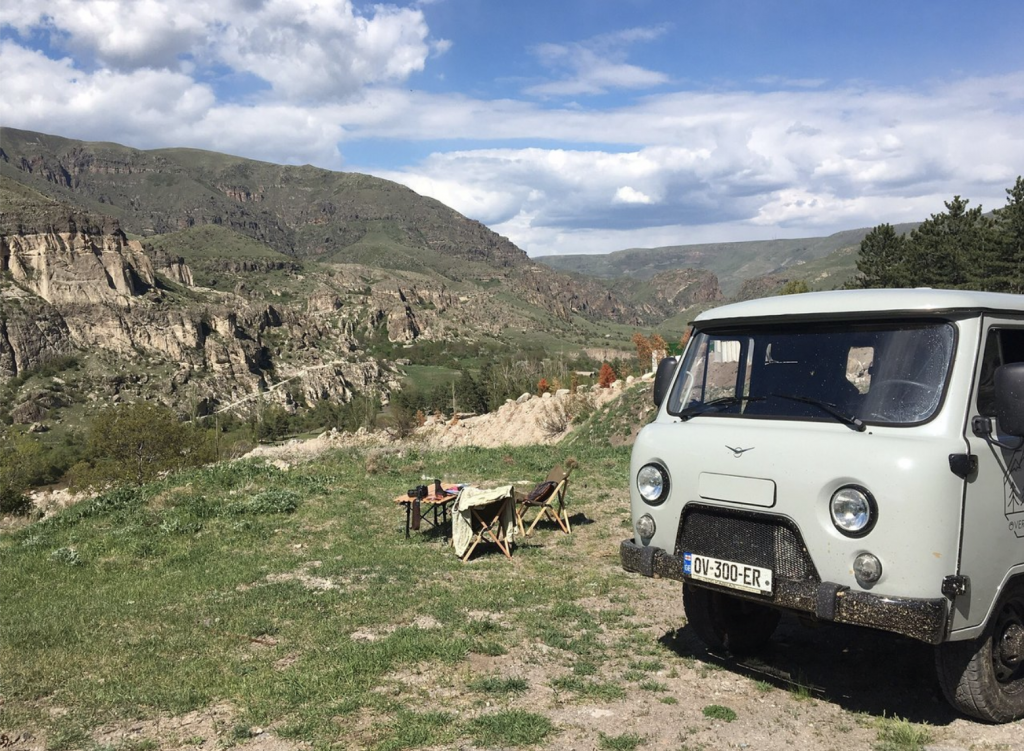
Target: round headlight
point(652, 483)
point(853, 511)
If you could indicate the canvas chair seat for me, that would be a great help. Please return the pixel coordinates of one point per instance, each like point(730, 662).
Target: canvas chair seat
point(486, 516)
point(547, 501)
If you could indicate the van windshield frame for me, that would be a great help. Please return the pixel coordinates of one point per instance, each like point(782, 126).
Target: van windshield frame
point(882, 373)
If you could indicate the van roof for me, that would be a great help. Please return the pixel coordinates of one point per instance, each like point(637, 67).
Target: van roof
point(867, 303)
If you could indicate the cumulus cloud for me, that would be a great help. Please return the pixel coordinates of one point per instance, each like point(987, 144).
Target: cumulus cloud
point(54, 96)
point(801, 162)
point(677, 166)
point(305, 50)
point(309, 50)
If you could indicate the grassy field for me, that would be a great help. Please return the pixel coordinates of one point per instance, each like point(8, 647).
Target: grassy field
point(294, 596)
point(245, 605)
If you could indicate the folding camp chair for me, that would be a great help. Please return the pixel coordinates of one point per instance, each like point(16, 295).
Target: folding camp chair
point(548, 499)
point(484, 516)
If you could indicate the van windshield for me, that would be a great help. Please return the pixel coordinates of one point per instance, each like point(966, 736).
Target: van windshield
point(891, 373)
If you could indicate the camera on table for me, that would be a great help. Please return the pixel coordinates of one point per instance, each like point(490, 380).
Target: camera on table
point(419, 492)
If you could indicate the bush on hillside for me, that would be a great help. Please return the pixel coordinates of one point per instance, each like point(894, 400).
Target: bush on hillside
point(133, 443)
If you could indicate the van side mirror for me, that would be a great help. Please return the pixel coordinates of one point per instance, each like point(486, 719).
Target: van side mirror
point(663, 378)
point(1009, 398)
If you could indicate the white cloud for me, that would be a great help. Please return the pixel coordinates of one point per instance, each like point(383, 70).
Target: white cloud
point(626, 194)
point(596, 65)
point(682, 166)
point(309, 50)
point(55, 97)
point(305, 50)
point(785, 163)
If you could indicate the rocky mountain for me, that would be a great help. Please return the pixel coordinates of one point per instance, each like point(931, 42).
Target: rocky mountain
point(301, 212)
point(144, 328)
point(206, 281)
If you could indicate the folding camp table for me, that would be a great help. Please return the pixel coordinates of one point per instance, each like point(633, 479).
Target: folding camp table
point(432, 509)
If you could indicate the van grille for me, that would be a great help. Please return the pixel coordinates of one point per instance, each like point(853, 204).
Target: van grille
point(745, 537)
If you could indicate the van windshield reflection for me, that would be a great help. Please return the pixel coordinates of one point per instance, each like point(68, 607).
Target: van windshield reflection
point(857, 374)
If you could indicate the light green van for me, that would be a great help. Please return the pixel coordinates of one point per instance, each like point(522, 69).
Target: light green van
point(852, 456)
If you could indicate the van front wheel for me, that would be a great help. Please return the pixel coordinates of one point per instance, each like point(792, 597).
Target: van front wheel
point(726, 622)
point(984, 678)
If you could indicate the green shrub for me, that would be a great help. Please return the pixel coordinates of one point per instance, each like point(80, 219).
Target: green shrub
point(19, 456)
point(718, 712)
point(136, 442)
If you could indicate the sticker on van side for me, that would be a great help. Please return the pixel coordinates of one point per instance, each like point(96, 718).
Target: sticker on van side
point(1014, 500)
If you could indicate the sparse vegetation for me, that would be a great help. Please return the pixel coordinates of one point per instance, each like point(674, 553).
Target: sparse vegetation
point(896, 734)
point(624, 742)
point(719, 712)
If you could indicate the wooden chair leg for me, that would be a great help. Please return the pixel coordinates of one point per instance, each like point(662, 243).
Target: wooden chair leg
point(519, 519)
point(536, 520)
point(487, 530)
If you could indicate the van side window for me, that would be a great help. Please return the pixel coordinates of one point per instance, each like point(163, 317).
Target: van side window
point(1003, 346)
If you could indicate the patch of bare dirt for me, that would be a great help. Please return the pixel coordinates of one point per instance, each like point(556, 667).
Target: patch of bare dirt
point(528, 420)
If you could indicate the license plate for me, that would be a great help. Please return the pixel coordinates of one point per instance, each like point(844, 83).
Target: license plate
point(728, 573)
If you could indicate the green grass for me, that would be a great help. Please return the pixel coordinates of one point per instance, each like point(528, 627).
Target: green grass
point(510, 728)
point(719, 712)
point(589, 690)
point(624, 742)
point(896, 734)
point(294, 597)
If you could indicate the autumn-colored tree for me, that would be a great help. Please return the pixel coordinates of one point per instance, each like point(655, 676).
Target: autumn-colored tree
point(543, 386)
point(658, 344)
point(643, 349)
point(606, 376)
point(686, 338)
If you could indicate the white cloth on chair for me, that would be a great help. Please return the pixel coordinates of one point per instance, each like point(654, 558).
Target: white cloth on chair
point(462, 520)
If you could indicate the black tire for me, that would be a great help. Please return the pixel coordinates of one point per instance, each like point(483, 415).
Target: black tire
point(722, 621)
point(984, 678)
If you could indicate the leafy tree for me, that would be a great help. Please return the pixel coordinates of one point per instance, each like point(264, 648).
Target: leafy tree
point(643, 349)
point(18, 455)
point(136, 442)
point(606, 376)
point(882, 260)
point(658, 343)
point(468, 394)
point(794, 287)
point(959, 248)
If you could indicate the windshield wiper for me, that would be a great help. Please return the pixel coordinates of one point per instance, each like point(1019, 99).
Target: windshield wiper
point(852, 420)
point(717, 404)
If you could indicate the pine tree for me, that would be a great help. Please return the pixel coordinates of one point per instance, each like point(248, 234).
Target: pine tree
point(1007, 274)
point(882, 260)
point(951, 250)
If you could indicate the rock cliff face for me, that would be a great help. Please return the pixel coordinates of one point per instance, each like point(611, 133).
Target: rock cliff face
point(679, 289)
point(77, 268)
point(70, 293)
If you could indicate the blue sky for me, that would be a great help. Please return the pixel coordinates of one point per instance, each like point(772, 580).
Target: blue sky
point(570, 126)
